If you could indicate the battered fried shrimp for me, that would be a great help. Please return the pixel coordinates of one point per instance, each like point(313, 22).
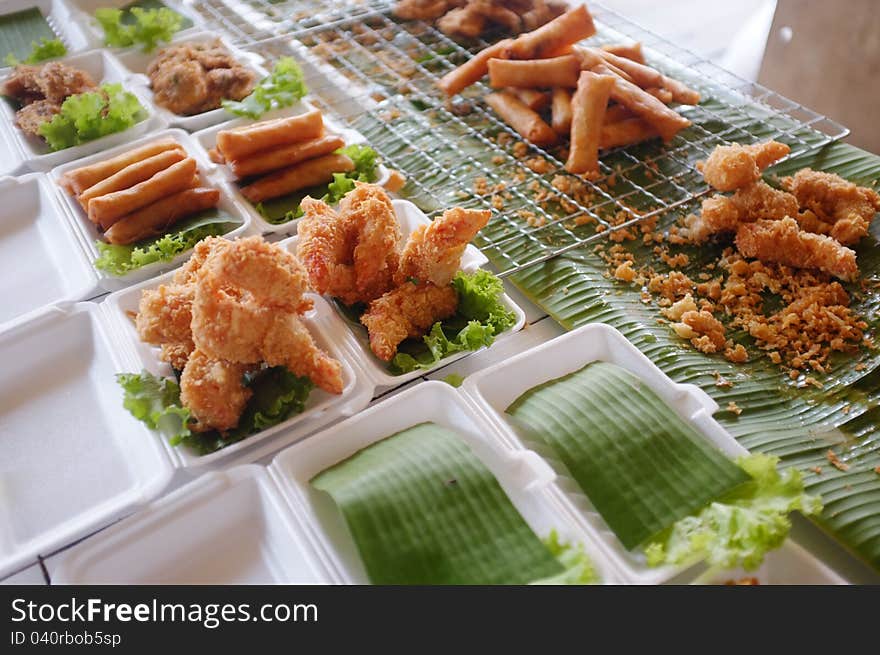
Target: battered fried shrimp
point(407, 311)
point(164, 315)
point(732, 167)
point(212, 390)
point(326, 251)
point(848, 209)
point(190, 270)
point(433, 252)
point(176, 354)
point(288, 343)
point(785, 243)
point(753, 202)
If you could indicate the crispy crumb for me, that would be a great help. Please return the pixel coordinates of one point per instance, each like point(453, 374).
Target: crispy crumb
point(816, 469)
point(733, 407)
point(834, 460)
point(625, 272)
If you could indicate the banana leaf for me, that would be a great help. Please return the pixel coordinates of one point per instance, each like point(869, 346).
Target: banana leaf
point(422, 509)
point(19, 29)
point(638, 462)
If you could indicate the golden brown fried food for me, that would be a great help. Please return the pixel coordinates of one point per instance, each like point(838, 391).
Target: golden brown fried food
point(41, 90)
point(847, 208)
point(471, 18)
point(30, 117)
point(181, 87)
point(783, 242)
point(753, 202)
point(422, 9)
point(326, 251)
point(213, 391)
point(407, 311)
point(433, 252)
point(58, 81)
point(735, 166)
point(188, 273)
point(165, 313)
point(288, 343)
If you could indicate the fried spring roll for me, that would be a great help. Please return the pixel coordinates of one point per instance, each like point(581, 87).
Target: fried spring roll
point(106, 210)
point(625, 133)
point(237, 144)
point(663, 95)
point(535, 73)
point(632, 51)
point(616, 113)
point(132, 174)
point(587, 115)
point(681, 92)
point(522, 119)
point(80, 179)
point(640, 74)
point(300, 176)
point(155, 219)
point(531, 98)
point(473, 69)
point(590, 60)
point(272, 160)
point(560, 111)
point(662, 118)
point(548, 40)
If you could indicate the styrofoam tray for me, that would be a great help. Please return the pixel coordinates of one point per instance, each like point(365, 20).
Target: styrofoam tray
point(495, 388)
point(88, 233)
point(323, 548)
point(410, 217)
point(137, 62)
point(59, 15)
point(84, 12)
point(207, 139)
point(71, 458)
point(30, 152)
point(41, 260)
point(328, 332)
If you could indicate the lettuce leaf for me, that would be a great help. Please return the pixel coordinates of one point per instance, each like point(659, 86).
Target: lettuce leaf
point(283, 87)
point(147, 27)
point(88, 116)
point(579, 569)
point(119, 260)
point(156, 402)
point(479, 303)
point(741, 528)
point(45, 49)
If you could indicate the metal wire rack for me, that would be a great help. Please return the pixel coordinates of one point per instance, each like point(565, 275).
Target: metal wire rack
point(378, 74)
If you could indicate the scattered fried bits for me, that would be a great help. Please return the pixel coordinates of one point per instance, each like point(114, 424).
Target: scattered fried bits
point(834, 460)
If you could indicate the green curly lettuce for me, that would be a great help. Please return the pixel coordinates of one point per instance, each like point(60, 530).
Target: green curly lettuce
point(579, 569)
point(88, 116)
point(741, 528)
point(146, 28)
point(156, 402)
point(40, 51)
point(283, 87)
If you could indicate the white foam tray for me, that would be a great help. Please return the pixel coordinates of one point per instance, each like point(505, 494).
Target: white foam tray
point(24, 152)
point(294, 533)
point(207, 139)
point(88, 234)
point(41, 260)
point(410, 217)
point(59, 15)
point(84, 13)
point(136, 63)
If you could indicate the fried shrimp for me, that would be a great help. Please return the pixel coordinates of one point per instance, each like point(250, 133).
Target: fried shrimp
point(213, 391)
point(407, 311)
point(326, 251)
point(783, 242)
point(433, 252)
point(163, 319)
point(753, 202)
point(732, 167)
point(188, 273)
point(288, 343)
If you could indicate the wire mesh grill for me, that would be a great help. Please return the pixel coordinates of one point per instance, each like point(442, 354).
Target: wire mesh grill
point(379, 74)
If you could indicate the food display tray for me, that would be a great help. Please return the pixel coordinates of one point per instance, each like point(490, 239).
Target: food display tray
point(60, 14)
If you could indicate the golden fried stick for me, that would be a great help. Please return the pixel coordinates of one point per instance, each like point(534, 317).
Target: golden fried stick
point(632, 51)
point(561, 111)
point(535, 73)
point(433, 252)
point(554, 37)
point(155, 219)
point(526, 122)
point(303, 175)
point(472, 70)
point(79, 179)
point(587, 116)
point(625, 133)
point(283, 156)
point(407, 311)
point(132, 174)
point(732, 167)
point(244, 141)
point(783, 242)
point(531, 98)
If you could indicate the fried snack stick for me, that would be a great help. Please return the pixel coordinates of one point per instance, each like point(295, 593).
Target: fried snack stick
point(299, 176)
point(616, 113)
point(156, 218)
point(590, 59)
point(271, 160)
point(663, 95)
point(522, 119)
point(681, 92)
point(239, 143)
point(640, 74)
point(587, 115)
point(80, 179)
point(625, 133)
point(560, 110)
point(667, 122)
point(132, 174)
point(735, 166)
point(531, 98)
point(535, 73)
point(473, 69)
point(106, 210)
point(632, 51)
point(554, 37)
point(783, 242)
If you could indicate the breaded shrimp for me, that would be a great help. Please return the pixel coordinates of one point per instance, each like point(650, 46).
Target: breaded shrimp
point(845, 206)
point(163, 319)
point(189, 271)
point(229, 323)
point(732, 167)
point(213, 391)
point(433, 252)
point(288, 343)
point(785, 243)
point(753, 202)
point(407, 311)
point(326, 251)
